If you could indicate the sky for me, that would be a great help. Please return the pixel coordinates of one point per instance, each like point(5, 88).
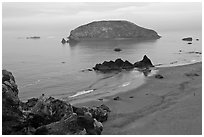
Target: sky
point(63, 17)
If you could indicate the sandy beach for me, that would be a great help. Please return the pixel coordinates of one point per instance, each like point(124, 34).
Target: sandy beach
point(168, 106)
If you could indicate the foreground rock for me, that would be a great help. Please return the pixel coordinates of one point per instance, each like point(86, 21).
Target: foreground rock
point(119, 64)
point(99, 30)
point(12, 116)
point(46, 115)
point(187, 39)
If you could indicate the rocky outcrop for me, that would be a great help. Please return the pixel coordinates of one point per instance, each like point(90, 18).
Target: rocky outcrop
point(46, 115)
point(117, 49)
point(12, 116)
point(119, 64)
point(187, 39)
point(158, 76)
point(113, 29)
point(34, 37)
point(63, 41)
point(144, 63)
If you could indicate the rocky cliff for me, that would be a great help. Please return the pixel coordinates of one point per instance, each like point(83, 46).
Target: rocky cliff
point(99, 30)
point(46, 115)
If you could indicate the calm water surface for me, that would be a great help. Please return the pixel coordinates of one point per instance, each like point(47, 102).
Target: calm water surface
point(38, 64)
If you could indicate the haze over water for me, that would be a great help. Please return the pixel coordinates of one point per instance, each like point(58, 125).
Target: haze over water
point(37, 64)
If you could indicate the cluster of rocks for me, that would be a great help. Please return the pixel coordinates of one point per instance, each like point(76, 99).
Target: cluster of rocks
point(63, 41)
point(119, 64)
point(34, 37)
point(189, 39)
point(195, 52)
point(46, 115)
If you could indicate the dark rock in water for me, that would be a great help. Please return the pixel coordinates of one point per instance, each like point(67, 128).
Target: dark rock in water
point(119, 64)
point(127, 65)
point(191, 74)
point(116, 98)
point(189, 42)
point(131, 97)
point(89, 69)
point(117, 49)
point(173, 62)
point(187, 39)
point(63, 41)
point(100, 99)
point(194, 52)
point(34, 37)
point(86, 70)
point(144, 63)
point(158, 76)
point(99, 30)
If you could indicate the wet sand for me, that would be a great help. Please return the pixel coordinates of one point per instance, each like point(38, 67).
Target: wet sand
point(168, 106)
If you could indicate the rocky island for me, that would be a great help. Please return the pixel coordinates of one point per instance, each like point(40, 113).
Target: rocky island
point(117, 29)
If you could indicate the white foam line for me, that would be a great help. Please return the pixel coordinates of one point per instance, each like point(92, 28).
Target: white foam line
point(125, 84)
point(81, 93)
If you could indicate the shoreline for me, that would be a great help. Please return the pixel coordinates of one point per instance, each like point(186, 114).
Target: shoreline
point(175, 102)
point(107, 97)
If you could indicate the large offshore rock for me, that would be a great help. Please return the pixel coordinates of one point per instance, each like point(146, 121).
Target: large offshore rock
point(113, 29)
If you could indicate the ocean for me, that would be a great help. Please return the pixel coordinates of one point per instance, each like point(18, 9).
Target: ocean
point(46, 66)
